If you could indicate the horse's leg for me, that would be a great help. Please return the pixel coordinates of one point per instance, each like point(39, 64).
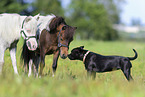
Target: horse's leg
point(54, 65)
point(42, 61)
point(35, 70)
point(30, 67)
point(13, 58)
point(42, 64)
point(2, 51)
point(36, 65)
point(25, 67)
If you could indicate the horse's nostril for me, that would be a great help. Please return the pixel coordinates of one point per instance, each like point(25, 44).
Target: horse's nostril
point(63, 56)
point(34, 46)
point(29, 44)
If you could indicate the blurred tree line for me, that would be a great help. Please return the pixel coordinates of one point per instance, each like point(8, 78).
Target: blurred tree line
point(94, 18)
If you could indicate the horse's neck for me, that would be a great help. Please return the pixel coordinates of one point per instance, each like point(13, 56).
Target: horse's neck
point(53, 37)
point(44, 21)
point(22, 18)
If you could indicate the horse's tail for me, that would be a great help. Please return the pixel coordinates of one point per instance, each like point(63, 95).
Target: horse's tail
point(25, 54)
point(133, 58)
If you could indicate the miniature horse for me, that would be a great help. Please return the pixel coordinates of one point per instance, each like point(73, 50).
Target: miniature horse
point(12, 27)
point(56, 41)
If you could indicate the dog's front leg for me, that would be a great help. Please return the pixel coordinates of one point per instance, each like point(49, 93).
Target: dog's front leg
point(93, 75)
point(89, 73)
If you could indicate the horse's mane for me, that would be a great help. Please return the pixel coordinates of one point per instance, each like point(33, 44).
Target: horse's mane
point(69, 31)
point(55, 23)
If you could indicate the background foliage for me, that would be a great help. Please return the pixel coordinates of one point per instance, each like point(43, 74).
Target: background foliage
point(94, 18)
point(11, 6)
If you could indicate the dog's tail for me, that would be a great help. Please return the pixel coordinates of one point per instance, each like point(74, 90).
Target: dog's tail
point(133, 58)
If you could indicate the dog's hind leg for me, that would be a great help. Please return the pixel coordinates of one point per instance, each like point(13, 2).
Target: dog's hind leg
point(130, 77)
point(127, 75)
point(126, 72)
point(125, 67)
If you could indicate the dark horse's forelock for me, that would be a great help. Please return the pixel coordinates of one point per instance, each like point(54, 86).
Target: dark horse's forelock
point(55, 23)
point(69, 32)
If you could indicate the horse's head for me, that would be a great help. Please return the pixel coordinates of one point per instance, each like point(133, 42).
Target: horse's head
point(65, 36)
point(29, 28)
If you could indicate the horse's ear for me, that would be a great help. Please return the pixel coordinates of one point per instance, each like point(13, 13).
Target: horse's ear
point(81, 47)
point(28, 18)
point(56, 22)
point(37, 16)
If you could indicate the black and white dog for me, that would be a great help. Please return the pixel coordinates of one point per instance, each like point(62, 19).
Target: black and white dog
point(99, 63)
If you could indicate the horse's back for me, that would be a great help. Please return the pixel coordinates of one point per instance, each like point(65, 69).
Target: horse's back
point(9, 27)
point(9, 22)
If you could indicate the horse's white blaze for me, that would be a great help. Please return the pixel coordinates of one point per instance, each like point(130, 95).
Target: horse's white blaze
point(10, 28)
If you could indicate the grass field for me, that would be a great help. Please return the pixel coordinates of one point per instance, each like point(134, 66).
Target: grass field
point(70, 79)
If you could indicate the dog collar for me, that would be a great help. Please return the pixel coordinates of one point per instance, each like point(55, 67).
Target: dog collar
point(85, 56)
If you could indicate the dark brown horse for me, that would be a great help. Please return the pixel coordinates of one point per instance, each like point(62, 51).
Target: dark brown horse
point(56, 41)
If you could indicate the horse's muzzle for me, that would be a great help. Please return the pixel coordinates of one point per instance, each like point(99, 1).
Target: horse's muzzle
point(63, 52)
point(31, 45)
point(63, 56)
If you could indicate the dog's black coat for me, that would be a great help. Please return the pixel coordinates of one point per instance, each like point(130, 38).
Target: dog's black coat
point(99, 63)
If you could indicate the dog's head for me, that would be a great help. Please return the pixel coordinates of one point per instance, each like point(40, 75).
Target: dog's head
point(76, 53)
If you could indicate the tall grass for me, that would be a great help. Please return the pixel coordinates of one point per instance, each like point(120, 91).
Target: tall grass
point(70, 79)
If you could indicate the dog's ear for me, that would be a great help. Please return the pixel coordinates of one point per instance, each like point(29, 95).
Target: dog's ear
point(81, 47)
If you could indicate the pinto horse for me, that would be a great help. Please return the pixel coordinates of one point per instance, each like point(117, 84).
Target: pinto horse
point(12, 26)
point(54, 39)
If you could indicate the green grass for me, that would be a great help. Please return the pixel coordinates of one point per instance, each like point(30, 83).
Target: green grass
point(70, 79)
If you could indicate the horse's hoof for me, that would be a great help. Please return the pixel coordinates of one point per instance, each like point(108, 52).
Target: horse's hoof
point(40, 76)
point(53, 75)
point(29, 75)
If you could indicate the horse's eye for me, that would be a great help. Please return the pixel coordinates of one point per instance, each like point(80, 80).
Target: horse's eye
point(71, 39)
point(61, 39)
point(28, 31)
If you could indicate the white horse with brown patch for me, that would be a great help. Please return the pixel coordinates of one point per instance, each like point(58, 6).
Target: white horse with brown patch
point(43, 23)
point(12, 26)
